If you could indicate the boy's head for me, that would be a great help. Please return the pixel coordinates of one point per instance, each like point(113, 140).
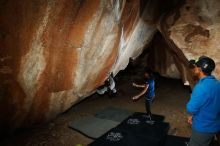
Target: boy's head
point(148, 73)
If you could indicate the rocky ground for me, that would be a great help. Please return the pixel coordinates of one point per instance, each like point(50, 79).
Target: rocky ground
point(170, 101)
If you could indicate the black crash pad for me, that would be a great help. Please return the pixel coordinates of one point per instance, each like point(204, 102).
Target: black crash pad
point(93, 127)
point(142, 126)
point(136, 130)
point(119, 137)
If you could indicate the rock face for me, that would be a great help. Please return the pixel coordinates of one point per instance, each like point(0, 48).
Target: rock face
point(55, 53)
point(194, 29)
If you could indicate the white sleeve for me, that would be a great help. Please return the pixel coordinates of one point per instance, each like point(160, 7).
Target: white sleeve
point(112, 83)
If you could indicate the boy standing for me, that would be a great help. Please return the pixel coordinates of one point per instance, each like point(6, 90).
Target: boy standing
point(148, 91)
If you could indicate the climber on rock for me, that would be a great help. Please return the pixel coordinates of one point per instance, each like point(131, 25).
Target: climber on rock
point(109, 87)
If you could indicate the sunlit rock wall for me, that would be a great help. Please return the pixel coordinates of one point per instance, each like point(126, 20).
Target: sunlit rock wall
point(194, 29)
point(54, 53)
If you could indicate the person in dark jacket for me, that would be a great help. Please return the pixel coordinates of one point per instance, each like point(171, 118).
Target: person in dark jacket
point(204, 104)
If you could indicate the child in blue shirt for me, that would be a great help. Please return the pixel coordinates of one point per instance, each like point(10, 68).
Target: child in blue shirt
point(148, 91)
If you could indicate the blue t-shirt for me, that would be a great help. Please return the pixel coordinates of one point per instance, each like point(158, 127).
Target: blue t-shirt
point(150, 90)
point(204, 105)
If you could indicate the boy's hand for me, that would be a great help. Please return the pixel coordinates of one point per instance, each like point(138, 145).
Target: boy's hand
point(135, 98)
point(133, 84)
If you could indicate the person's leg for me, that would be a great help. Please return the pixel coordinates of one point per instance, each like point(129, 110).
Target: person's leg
point(148, 108)
point(200, 139)
point(102, 90)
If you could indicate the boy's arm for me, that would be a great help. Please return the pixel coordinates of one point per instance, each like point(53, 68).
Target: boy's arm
point(139, 86)
point(139, 95)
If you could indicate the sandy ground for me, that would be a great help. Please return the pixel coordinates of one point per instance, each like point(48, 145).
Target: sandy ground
point(170, 101)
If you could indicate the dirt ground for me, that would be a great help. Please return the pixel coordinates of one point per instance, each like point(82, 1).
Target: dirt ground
point(170, 101)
